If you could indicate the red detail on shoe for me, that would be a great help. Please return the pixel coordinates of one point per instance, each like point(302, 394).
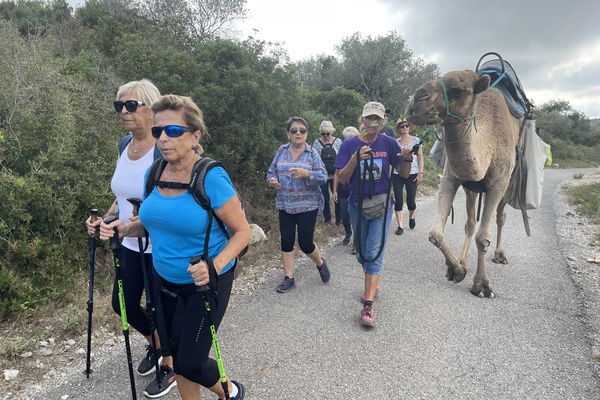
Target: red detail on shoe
point(367, 316)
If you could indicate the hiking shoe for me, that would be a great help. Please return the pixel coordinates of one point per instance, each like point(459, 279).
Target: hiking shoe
point(346, 240)
point(367, 317)
point(399, 231)
point(324, 271)
point(241, 391)
point(148, 363)
point(167, 382)
point(285, 285)
point(412, 223)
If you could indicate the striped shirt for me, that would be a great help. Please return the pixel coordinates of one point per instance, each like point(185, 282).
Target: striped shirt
point(298, 195)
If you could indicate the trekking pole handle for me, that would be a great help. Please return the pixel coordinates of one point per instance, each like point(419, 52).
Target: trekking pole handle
point(136, 203)
point(196, 260)
point(93, 214)
point(114, 241)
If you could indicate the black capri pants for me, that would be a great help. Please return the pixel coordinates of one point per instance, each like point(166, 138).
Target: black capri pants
point(305, 223)
point(133, 286)
point(188, 333)
point(411, 191)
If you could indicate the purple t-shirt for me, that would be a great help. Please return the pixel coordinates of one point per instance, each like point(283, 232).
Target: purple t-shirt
point(385, 150)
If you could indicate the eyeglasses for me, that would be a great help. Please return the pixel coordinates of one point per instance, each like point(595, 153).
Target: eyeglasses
point(403, 126)
point(172, 131)
point(325, 133)
point(293, 131)
point(130, 105)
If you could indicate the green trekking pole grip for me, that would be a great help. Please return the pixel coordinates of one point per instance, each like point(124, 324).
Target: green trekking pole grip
point(204, 289)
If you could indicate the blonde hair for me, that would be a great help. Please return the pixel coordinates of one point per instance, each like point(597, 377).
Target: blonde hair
point(144, 89)
point(349, 131)
point(192, 115)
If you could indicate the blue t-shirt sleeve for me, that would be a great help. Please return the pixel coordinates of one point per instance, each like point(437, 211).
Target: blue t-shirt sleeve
point(218, 187)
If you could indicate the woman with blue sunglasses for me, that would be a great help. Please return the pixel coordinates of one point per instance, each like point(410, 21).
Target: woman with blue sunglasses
point(177, 226)
point(136, 155)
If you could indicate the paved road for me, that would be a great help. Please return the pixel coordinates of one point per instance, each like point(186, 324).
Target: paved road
point(434, 340)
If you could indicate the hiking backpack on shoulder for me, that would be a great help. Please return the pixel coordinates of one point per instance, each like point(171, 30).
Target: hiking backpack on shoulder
point(328, 156)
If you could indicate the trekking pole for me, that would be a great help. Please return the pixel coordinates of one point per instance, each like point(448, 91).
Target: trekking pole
point(90, 302)
point(150, 309)
point(115, 246)
point(213, 331)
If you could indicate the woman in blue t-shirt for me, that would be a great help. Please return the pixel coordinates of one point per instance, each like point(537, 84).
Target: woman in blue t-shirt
point(177, 226)
point(368, 194)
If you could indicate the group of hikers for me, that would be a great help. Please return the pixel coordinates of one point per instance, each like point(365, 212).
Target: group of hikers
point(188, 261)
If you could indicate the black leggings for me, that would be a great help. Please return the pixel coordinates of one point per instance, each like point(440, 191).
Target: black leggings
point(411, 191)
point(305, 222)
point(190, 342)
point(133, 287)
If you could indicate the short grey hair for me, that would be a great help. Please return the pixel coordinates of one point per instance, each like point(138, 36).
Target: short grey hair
point(291, 120)
point(145, 90)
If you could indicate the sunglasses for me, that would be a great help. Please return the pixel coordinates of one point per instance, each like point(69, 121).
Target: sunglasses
point(403, 126)
point(130, 105)
point(293, 131)
point(325, 133)
point(172, 131)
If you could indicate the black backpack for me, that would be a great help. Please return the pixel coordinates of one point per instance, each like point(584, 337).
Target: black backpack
point(196, 189)
point(328, 156)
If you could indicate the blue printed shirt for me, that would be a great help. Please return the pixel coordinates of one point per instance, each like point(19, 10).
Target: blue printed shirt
point(298, 195)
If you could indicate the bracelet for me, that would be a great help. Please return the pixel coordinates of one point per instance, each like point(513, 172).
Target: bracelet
point(421, 173)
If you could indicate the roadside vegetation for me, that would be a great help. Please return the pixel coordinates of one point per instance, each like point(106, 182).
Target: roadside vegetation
point(59, 72)
point(587, 201)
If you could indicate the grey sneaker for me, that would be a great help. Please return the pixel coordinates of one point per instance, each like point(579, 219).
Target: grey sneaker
point(148, 363)
point(167, 382)
point(285, 285)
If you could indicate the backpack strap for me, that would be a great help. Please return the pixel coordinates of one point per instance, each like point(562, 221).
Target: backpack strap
point(125, 141)
point(153, 176)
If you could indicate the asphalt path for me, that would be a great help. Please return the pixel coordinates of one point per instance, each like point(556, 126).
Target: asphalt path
point(433, 339)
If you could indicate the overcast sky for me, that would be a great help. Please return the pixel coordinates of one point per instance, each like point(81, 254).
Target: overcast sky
point(553, 45)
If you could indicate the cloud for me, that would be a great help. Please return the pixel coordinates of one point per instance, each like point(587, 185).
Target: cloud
point(553, 45)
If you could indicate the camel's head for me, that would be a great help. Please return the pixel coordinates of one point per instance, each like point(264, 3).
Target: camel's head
point(430, 106)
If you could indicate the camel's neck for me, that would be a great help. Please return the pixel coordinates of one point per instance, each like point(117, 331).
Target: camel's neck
point(462, 151)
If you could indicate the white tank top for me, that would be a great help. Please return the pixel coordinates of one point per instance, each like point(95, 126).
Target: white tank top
point(127, 182)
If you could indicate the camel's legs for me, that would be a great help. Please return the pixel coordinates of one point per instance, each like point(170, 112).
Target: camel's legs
point(481, 284)
point(469, 227)
point(499, 256)
point(446, 194)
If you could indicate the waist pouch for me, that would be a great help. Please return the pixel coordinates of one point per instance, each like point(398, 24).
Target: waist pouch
point(374, 207)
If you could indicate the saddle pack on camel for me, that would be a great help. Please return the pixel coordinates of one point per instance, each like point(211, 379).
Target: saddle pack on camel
point(525, 187)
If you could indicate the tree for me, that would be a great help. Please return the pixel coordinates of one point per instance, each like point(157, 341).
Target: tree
point(383, 69)
point(200, 19)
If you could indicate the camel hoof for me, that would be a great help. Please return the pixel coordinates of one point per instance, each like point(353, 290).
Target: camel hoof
point(450, 274)
point(483, 291)
point(500, 260)
point(460, 274)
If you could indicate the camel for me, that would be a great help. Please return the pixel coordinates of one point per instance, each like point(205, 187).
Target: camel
point(480, 136)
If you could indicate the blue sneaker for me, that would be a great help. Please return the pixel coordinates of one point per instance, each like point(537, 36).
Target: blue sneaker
point(324, 271)
point(285, 285)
